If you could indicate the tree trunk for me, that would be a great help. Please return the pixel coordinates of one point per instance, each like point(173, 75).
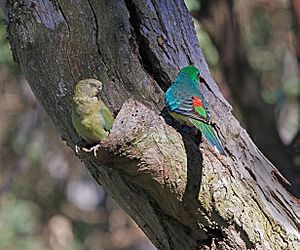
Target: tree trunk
point(181, 197)
point(220, 21)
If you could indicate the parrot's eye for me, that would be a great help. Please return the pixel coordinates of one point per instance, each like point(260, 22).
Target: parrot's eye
point(94, 85)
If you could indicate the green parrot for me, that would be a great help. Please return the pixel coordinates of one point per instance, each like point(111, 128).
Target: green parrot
point(185, 103)
point(90, 116)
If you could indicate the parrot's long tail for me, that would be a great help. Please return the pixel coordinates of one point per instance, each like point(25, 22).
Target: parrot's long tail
point(210, 135)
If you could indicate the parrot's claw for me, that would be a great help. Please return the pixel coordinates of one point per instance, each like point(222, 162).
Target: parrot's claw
point(93, 149)
point(77, 149)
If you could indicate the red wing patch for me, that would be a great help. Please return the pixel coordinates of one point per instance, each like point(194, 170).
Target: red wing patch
point(197, 102)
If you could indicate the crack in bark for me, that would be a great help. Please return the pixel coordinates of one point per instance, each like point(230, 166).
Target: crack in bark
point(269, 220)
point(186, 47)
point(282, 204)
point(96, 29)
point(147, 57)
point(67, 47)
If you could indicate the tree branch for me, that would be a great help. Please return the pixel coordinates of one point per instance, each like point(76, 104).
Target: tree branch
point(181, 197)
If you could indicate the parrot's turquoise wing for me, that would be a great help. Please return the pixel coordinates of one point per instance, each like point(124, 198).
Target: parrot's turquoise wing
point(192, 105)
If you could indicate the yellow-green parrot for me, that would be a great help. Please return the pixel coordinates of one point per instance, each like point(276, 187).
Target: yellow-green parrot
point(90, 116)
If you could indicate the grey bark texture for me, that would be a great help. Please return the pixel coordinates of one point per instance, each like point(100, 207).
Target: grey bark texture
point(181, 197)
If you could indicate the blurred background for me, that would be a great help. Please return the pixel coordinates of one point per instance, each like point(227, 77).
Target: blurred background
point(47, 198)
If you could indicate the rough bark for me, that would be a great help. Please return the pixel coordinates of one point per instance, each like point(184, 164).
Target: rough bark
point(220, 21)
point(181, 197)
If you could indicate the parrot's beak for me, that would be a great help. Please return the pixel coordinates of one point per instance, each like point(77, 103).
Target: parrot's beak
point(99, 90)
point(100, 87)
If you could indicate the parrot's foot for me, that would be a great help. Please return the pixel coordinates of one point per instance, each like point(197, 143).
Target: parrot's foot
point(77, 149)
point(93, 149)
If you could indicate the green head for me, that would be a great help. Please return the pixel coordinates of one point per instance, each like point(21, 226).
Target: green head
point(191, 71)
point(87, 88)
